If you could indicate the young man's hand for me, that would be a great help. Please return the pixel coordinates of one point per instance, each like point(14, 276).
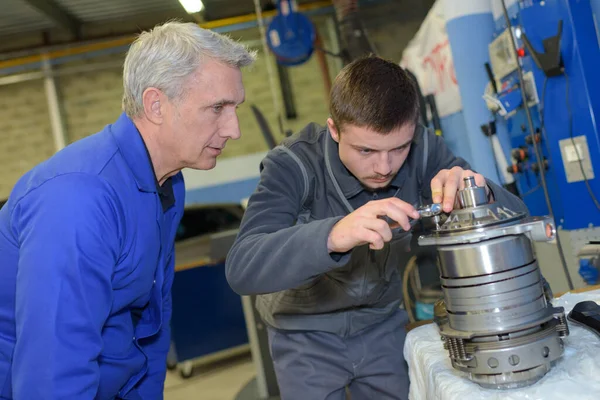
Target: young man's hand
point(367, 225)
point(445, 185)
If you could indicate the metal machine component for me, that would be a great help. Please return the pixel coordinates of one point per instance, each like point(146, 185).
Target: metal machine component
point(495, 318)
point(472, 195)
point(430, 210)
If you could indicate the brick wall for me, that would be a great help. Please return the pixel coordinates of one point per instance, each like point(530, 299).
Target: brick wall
point(24, 129)
point(90, 100)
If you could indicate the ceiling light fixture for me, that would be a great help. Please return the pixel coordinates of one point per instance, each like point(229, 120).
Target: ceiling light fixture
point(192, 6)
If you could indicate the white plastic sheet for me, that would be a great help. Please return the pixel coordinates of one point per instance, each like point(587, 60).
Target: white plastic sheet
point(575, 376)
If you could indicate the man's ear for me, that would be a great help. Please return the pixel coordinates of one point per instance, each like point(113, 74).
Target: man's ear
point(335, 134)
point(152, 99)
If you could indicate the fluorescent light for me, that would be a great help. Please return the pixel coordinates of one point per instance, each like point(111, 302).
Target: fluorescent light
point(192, 6)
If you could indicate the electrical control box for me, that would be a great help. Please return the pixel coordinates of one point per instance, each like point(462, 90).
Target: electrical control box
point(502, 57)
point(576, 159)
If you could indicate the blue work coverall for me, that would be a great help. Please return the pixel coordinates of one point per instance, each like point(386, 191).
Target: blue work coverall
point(86, 267)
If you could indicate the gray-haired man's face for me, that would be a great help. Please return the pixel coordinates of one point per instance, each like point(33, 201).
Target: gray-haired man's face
point(201, 123)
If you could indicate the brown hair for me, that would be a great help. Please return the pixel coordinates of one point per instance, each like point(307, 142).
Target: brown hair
point(375, 93)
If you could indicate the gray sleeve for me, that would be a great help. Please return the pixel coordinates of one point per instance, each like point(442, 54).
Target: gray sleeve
point(440, 157)
point(272, 253)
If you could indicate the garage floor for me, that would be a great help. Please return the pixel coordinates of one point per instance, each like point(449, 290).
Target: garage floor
point(217, 381)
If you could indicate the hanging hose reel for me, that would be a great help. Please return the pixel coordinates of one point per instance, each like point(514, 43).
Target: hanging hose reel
point(291, 35)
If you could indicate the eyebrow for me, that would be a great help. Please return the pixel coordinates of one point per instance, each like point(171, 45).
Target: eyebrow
point(359, 147)
point(412, 139)
point(226, 102)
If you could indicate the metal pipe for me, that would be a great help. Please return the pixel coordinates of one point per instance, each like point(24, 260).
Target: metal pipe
point(21, 59)
point(36, 55)
point(56, 120)
point(538, 151)
point(334, 44)
point(270, 73)
point(323, 66)
point(31, 76)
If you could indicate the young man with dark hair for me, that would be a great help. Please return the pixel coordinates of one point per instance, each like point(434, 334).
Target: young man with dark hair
point(314, 245)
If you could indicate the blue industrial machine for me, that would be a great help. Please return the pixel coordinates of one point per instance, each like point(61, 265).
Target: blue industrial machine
point(551, 63)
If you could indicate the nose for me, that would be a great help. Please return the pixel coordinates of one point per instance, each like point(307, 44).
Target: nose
point(382, 165)
point(232, 130)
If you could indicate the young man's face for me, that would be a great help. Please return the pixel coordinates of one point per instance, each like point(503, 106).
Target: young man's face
point(373, 158)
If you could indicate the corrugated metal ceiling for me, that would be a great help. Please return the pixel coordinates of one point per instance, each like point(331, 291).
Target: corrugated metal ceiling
point(36, 16)
point(47, 22)
point(18, 16)
point(98, 11)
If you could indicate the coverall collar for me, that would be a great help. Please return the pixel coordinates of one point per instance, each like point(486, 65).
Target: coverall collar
point(135, 153)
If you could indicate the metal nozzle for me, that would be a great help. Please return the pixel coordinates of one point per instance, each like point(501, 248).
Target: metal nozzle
point(469, 181)
point(472, 195)
point(430, 210)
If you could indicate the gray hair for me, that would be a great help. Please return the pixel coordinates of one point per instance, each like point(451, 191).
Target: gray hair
point(166, 55)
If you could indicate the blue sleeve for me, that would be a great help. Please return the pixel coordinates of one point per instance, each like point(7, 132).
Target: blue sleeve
point(271, 252)
point(68, 233)
point(157, 347)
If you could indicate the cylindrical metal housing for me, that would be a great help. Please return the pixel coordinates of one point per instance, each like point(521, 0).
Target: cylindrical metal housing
point(496, 320)
point(504, 288)
point(483, 258)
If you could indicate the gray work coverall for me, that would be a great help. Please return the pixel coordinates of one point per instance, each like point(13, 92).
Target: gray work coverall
point(334, 319)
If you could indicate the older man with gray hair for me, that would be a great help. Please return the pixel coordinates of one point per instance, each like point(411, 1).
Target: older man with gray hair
point(87, 237)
